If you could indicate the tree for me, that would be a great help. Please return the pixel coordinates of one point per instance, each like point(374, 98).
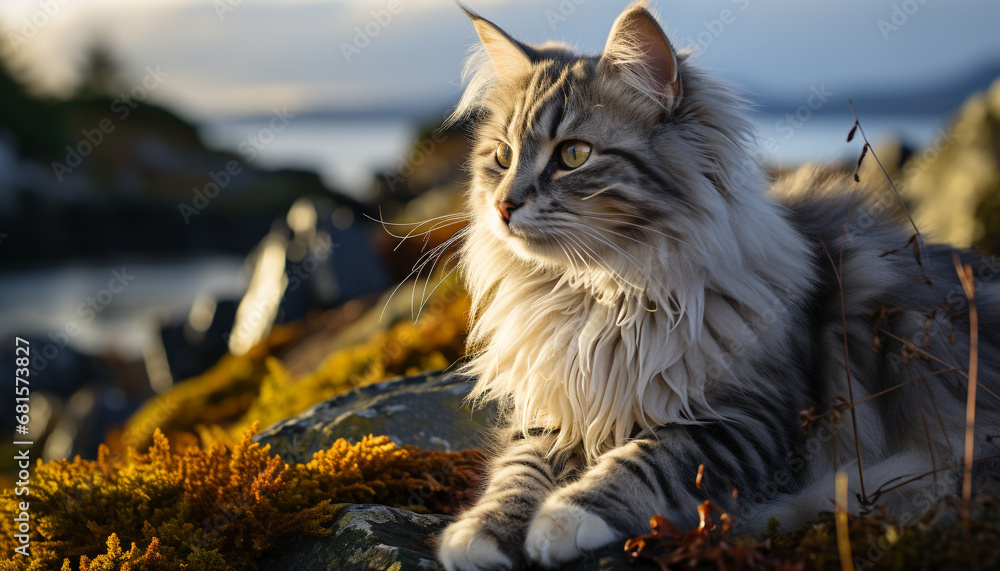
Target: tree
point(100, 76)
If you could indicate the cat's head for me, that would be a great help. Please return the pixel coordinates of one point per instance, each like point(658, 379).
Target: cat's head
point(583, 162)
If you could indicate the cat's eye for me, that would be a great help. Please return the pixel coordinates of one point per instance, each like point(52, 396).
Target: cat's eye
point(574, 153)
point(505, 155)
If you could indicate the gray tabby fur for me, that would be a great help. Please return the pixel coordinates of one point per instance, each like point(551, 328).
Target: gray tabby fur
point(657, 308)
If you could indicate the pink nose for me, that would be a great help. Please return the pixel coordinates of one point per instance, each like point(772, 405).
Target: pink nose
point(505, 208)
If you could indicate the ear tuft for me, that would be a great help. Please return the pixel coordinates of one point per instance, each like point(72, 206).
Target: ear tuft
point(507, 55)
point(641, 54)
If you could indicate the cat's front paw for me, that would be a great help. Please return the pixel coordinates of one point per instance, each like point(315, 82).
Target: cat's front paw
point(562, 532)
point(465, 547)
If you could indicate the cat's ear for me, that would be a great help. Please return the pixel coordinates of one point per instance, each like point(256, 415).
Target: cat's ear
point(641, 54)
point(507, 54)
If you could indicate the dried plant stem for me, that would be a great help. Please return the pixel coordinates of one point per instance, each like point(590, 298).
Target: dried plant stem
point(886, 173)
point(899, 198)
point(905, 383)
point(843, 537)
point(880, 491)
point(965, 274)
point(960, 371)
point(927, 432)
point(847, 370)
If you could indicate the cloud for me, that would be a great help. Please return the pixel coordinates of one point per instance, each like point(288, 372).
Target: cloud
point(263, 54)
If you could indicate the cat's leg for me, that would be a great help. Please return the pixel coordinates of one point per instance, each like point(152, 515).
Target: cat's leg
point(616, 498)
point(490, 535)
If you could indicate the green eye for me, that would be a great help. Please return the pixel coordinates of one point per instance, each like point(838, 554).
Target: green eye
point(574, 153)
point(504, 155)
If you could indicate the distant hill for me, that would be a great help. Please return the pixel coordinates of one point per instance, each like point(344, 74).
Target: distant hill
point(938, 96)
point(941, 96)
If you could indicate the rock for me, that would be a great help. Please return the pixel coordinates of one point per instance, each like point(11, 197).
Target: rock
point(366, 537)
point(389, 539)
point(428, 411)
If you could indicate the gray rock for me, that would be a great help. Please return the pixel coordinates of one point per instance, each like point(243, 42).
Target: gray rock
point(388, 539)
point(366, 537)
point(428, 411)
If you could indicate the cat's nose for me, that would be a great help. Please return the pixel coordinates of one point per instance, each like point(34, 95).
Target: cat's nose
point(505, 208)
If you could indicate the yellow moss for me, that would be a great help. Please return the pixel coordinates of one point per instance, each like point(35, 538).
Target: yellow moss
point(218, 508)
point(435, 341)
point(217, 397)
point(219, 405)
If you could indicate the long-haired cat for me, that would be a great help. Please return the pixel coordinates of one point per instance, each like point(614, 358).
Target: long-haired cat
point(643, 306)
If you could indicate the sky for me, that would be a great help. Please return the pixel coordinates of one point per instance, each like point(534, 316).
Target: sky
point(222, 58)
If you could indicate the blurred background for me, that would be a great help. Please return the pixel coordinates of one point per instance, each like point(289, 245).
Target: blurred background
point(188, 187)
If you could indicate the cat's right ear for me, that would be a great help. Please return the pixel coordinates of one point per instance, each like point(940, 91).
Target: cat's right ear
point(640, 53)
point(506, 54)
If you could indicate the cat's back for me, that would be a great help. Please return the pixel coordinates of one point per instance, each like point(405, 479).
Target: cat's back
point(898, 292)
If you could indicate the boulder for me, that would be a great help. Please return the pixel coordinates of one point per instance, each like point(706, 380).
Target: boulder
point(428, 411)
point(368, 537)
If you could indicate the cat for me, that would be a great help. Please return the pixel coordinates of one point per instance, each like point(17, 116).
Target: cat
point(646, 309)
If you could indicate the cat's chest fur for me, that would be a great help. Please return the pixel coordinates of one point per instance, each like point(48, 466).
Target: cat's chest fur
point(598, 362)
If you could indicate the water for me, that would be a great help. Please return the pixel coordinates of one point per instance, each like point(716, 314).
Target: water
point(346, 152)
point(822, 139)
point(101, 307)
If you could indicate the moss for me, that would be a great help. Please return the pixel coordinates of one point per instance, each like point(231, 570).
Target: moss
point(221, 508)
point(433, 342)
point(218, 397)
point(219, 405)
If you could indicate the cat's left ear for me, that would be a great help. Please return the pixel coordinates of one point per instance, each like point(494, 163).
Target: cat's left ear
point(641, 54)
point(507, 54)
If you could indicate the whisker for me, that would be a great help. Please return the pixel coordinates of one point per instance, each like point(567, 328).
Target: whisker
point(424, 295)
point(426, 234)
point(605, 189)
point(655, 231)
point(452, 218)
point(628, 256)
point(434, 256)
point(563, 247)
point(603, 263)
point(422, 222)
point(441, 281)
point(418, 268)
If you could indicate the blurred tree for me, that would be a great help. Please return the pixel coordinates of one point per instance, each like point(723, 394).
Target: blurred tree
point(100, 76)
point(33, 122)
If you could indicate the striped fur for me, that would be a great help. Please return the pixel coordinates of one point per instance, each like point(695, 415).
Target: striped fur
point(655, 309)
